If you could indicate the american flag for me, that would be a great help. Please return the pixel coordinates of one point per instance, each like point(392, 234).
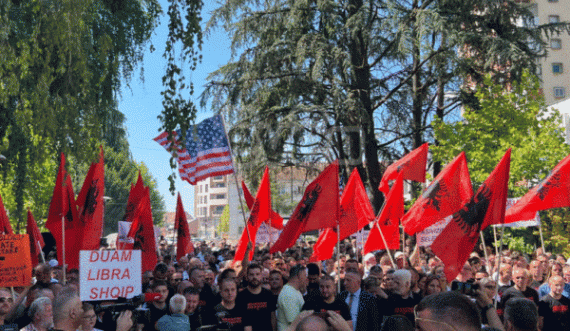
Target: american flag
point(205, 153)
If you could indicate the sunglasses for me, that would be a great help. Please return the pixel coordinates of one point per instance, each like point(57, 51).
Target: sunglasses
point(6, 299)
point(416, 318)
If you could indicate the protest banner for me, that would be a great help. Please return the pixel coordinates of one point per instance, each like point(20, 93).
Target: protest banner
point(109, 274)
point(426, 237)
point(520, 224)
point(267, 234)
point(15, 260)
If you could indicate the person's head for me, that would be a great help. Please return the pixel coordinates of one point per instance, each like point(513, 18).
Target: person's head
point(197, 277)
point(432, 285)
point(147, 277)
point(352, 280)
point(254, 276)
point(209, 277)
point(312, 323)
point(369, 261)
point(183, 262)
point(376, 271)
point(275, 280)
point(388, 281)
point(89, 317)
point(228, 290)
point(535, 268)
point(192, 296)
point(227, 273)
point(72, 276)
point(481, 274)
point(42, 272)
point(67, 309)
point(41, 313)
point(520, 278)
point(177, 304)
point(447, 311)
point(397, 322)
point(371, 285)
point(475, 263)
point(402, 280)
point(160, 271)
point(400, 259)
point(521, 314)
point(6, 301)
point(175, 279)
point(160, 287)
point(298, 277)
point(313, 273)
point(506, 273)
point(466, 273)
point(556, 286)
point(488, 285)
point(351, 264)
point(327, 287)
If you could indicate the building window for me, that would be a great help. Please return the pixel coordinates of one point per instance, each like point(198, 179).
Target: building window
point(552, 0)
point(206, 199)
point(204, 211)
point(557, 68)
point(206, 188)
point(219, 185)
point(555, 44)
point(218, 177)
point(559, 92)
point(218, 210)
point(553, 19)
point(218, 196)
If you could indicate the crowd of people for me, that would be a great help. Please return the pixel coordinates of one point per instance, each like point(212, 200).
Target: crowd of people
point(206, 290)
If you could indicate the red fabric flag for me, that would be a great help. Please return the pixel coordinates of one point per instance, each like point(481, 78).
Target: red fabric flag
point(448, 192)
point(355, 213)
point(91, 207)
point(412, 166)
point(36, 240)
point(388, 221)
point(135, 196)
point(485, 208)
point(552, 192)
point(142, 230)
point(275, 221)
point(62, 208)
point(5, 227)
point(260, 212)
point(319, 209)
point(184, 243)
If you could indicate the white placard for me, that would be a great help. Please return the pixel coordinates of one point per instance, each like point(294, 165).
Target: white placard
point(109, 274)
point(266, 234)
point(124, 228)
point(426, 237)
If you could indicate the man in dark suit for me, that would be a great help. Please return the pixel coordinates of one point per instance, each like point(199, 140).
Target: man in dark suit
point(363, 305)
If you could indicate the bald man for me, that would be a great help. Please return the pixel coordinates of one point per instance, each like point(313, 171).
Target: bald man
point(553, 308)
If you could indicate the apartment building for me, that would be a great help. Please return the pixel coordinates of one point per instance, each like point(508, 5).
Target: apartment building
point(210, 199)
point(554, 70)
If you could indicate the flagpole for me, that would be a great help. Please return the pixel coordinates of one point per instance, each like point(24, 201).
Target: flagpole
point(541, 238)
point(484, 247)
point(237, 184)
point(386, 245)
point(338, 252)
point(42, 258)
point(499, 265)
point(63, 248)
point(496, 245)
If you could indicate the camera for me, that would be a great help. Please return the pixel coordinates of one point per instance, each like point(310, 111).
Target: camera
point(467, 288)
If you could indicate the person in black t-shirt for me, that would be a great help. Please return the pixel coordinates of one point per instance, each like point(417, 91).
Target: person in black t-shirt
point(520, 289)
point(553, 308)
point(158, 308)
point(229, 315)
point(258, 301)
point(328, 301)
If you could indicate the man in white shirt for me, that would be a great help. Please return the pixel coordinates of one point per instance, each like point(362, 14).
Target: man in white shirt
point(290, 300)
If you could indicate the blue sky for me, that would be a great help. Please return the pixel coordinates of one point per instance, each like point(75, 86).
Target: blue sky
point(141, 104)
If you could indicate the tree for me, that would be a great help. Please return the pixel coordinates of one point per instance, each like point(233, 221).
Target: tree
point(62, 63)
point(224, 224)
point(357, 80)
point(516, 119)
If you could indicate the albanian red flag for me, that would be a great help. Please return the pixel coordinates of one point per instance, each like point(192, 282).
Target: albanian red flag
point(552, 192)
point(485, 208)
point(142, 230)
point(260, 212)
point(36, 240)
point(90, 205)
point(5, 227)
point(319, 209)
point(62, 209)
point(275, 221)
point(184, 243)
point(135, 196)
point(388, 221)
point(412, 167)
point(449, 191)
point(355, 213)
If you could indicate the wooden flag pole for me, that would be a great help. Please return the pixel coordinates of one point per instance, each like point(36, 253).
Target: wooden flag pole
point(499, 266)
point(541, 238)
point(484, 247)
point(338, 253)
point(496, 244)
point(386, 245)
point(42, 257)
point(63, 267)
